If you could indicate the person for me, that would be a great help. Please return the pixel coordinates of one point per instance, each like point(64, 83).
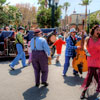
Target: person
point(70, 51)
point(40, 55)
point(6, 28)
point(58, 45)
point(30, 53)
point(20, 49)
point(93, 47)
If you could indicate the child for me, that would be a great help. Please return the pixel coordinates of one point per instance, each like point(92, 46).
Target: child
point(58, 45)
point(30, 53)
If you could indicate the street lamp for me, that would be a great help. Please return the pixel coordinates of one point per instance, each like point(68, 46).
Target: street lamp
point(56, 2)
point(29, 23)
point(53, 4)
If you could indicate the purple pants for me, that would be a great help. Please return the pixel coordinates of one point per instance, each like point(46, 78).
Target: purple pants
point(40, 65)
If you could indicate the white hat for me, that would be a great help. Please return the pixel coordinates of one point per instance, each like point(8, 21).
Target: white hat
point(72, 30)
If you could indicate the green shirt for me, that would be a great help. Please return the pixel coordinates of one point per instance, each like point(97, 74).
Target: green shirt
point(19, 38)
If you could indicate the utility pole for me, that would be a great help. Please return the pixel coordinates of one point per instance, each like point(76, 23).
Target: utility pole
point(53, 9)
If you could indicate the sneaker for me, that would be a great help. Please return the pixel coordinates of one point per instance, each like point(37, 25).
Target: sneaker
point(75, 74)
point(11, 67)
point(45, 83)
point(83, 95)
point(57, 61)
point(63, 74)
point(37, 85)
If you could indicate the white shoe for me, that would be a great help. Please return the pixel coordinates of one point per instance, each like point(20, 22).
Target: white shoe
point(63, 74)
point(11, 67)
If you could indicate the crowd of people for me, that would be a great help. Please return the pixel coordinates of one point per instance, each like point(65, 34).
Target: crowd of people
point(39, 52)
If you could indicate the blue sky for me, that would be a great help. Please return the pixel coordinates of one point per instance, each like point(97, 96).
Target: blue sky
point(74, 4)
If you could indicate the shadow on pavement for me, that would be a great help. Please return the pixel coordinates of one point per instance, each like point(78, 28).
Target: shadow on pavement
point(93, 97)
point(35, 93)
point(73, 80)
point(16, 71)
point(57, 64)
point(54, 56)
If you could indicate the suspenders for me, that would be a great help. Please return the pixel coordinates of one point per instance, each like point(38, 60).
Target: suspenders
point(34, 43)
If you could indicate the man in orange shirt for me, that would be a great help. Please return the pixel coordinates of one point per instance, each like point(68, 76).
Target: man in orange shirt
point(58, 45)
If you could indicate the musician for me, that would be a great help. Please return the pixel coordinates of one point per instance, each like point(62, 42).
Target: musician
point(19, 45)
point(40, 54)
point(93, 47)
point(70, 51)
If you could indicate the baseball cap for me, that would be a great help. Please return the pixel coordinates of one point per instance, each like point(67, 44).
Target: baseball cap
point(60, 36)
point(20, 28)
point(37, 31)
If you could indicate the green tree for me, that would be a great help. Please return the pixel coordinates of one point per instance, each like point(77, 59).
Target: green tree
point(86, 3)
point(94, 19)
point(14, 15)
point(44, 15)
point(2, 2)
point(3, 16)
point(9, 15)
point(42, 4)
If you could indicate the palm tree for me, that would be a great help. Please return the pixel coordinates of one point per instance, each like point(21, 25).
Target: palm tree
point(65, 6)
point(86, 3)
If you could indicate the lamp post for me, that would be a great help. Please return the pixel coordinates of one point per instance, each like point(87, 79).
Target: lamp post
point(53, 4)
point(29, 23)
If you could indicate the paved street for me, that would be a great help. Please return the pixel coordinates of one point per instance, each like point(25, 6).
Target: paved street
point(19, 84)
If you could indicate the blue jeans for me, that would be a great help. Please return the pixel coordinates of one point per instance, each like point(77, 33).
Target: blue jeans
point(20, 55)
point(66, 65)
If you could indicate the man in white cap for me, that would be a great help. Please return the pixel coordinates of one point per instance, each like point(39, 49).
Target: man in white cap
point(70, 51)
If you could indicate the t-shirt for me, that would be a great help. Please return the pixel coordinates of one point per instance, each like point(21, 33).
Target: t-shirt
point(58, 45)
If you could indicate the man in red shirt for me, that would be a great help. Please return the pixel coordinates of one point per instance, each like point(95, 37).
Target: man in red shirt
point(58, 45)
